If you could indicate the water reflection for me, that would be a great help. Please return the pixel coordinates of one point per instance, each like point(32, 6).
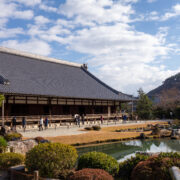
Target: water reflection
point(124, 150)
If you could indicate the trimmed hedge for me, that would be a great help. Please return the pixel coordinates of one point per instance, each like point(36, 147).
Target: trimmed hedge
point(96, 128)
point(88, 174)
point(51, 159)
point(40, 139)
point(13, 136)
point(127, 166)
point(3, 144)
point(99, 160)
point(10, 159)
point(88, 128)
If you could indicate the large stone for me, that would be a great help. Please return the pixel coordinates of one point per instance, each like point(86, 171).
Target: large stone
point(165, 133)
point(4, 130)
point(175, 134)
point(22, 146)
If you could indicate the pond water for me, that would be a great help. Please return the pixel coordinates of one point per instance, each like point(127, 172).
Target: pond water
point(124, 150)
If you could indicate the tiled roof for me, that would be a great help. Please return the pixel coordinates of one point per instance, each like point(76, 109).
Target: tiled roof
point(31, 75)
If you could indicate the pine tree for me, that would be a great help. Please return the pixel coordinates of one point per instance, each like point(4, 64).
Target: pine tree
point(144, 106)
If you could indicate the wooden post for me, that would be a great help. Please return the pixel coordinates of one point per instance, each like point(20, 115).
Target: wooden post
point(3, 113)
point(36, 175)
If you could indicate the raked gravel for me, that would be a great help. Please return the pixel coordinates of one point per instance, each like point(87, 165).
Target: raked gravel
point(71, 130)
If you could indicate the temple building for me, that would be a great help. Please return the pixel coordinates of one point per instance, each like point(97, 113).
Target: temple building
point(37, 85)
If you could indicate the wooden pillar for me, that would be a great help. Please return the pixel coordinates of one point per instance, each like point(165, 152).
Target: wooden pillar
point(109, 111)
point(50, 109)
point(36, 175)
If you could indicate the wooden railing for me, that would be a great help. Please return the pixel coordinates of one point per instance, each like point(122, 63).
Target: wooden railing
point(61, 118)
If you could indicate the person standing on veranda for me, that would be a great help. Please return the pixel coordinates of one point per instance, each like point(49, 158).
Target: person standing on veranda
point(41, 124)
point(24, 123)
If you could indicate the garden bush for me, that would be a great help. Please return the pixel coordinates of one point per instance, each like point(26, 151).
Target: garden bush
point(88, 174)
point(99, 160)
point(96, 128)
point(10, 159)
point(127, 166)
point(156, 168)
point(13, 136)
point(3, 144)
point(88, 128)
point(51, 159)
point(40, 139)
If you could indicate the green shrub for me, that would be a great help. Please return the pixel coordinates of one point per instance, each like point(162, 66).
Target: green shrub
point(13, 136)
point(3, 144)
point(88, 128)
point(10, 159)
point(170, 155)
point(98, 160)
point(87, 174)
point(51, 159)
point(127, 166)
point(96, 128)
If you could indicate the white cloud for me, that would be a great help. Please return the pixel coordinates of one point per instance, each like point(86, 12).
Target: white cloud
point(47, 8)
point(41, 20)
point(173, 13)
point(151, 1)
point(152, 16)
point(8, 33)
point(28, 14)
point(33, 45)
point(10, 10)
point(121, 56)
point(118, 40)
point(100, 12)
point(28, 2)
point(130, 77)
point(3, 22)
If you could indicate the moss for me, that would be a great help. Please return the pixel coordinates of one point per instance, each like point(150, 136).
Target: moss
point(13, 136)
point(10, 159)
point(3, 144)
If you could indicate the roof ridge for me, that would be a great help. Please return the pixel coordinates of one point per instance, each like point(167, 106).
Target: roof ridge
point(104, 84)
point(37, 57)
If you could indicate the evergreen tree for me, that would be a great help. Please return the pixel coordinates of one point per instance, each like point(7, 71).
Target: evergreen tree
point(144, 106)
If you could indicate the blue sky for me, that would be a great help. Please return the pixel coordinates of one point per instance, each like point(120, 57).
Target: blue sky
point(126, 43)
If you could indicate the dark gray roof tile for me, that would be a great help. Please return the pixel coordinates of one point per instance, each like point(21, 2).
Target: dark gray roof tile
point(37, 77)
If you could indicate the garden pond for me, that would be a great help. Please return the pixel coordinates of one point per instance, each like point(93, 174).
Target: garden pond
point(124, 150)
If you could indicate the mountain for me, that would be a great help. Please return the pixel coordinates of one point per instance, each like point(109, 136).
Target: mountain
point(168, 92)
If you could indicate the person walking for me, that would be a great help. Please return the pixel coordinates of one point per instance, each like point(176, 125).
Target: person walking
point(115, 119)
point(24, 123)
point(41, 124)
point(46, 123)
point(101, 118)
point(82, 118)
point(14, 123)
point(78, 120)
